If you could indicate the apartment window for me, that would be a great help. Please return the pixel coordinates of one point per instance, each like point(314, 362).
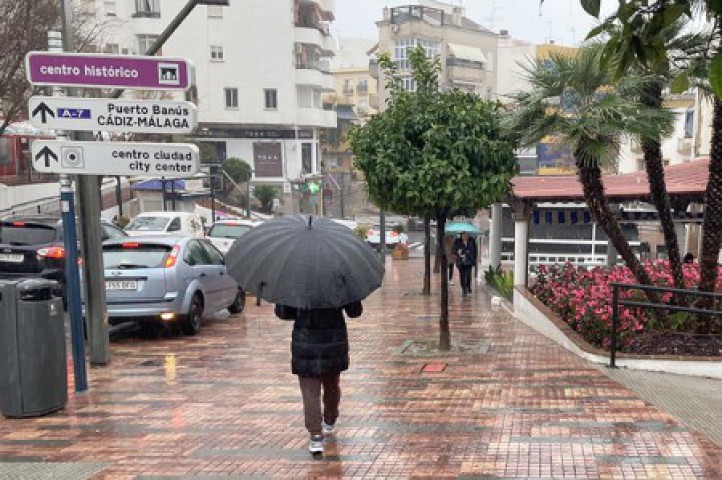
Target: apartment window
point(348, 86)
point(217, 53)
point(147, 8)
point(231, 97)
point(110, 8)
point(363, 86)
point(144, 42)
point(408, 84)
point(271, 98)
point(403, 45)
point(307, 157)
point(215, 11)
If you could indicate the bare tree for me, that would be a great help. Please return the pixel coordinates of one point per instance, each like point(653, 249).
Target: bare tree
point(24, 28)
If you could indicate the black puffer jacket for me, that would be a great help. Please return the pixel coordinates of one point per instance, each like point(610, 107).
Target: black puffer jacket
point(319, 344)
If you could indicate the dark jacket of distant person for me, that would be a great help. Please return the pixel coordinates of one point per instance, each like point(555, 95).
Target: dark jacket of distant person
point(319, 343)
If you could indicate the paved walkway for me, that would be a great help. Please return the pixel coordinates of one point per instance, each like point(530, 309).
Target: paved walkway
point(509, 404)
point(697, 402)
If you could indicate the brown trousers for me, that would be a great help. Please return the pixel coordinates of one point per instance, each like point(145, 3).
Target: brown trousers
point(311, 391)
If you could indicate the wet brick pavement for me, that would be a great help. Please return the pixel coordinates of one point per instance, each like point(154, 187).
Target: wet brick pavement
point(508, 404)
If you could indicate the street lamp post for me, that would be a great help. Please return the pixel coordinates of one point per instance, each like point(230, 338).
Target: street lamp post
point(173, 26)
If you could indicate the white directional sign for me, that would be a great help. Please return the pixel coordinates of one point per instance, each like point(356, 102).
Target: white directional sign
point(132, 116)
point(116, 158)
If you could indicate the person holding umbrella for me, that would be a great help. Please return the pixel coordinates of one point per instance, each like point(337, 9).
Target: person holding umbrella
point(319, 349)
point(314, 270)
point(465, 254)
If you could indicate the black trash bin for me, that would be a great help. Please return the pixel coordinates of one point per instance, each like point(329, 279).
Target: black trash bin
point(33, 363)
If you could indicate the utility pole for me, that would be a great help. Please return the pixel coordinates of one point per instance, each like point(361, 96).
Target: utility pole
point(89, 202)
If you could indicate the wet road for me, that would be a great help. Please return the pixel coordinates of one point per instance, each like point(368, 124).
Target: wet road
point(504, 403)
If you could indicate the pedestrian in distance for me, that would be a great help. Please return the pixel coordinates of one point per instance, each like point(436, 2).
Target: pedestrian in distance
point(465, 254)
point(449, 241)
point(320, 352)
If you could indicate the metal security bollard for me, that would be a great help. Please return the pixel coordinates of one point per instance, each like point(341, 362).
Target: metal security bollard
point(33, 364)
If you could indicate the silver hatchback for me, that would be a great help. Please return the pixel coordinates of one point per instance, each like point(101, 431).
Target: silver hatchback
point(167, 279)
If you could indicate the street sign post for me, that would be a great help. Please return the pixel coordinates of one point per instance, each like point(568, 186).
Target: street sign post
point(116, 158)
point(108, 71)
point(110, 115)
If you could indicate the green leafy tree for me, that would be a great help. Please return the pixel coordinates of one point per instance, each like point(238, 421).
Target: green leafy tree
point(431, 153)
point(239, 172)
point(640, 40)
point(266, 194)
point(574, 101)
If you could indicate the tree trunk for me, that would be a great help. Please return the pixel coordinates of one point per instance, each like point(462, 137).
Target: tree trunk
point(658, 190)
point(712, 230)
point(444, 333)
point(591, 180)
point(427, 256)
point(437, 254)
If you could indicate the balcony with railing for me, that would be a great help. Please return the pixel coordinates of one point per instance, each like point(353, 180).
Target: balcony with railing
point(316, 117)
point(314, 77)
point(314, 36)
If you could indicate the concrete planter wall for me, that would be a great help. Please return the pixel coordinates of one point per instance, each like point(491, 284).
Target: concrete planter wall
point(532, 312)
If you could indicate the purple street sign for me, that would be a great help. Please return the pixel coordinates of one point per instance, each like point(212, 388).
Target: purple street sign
point(108, 71)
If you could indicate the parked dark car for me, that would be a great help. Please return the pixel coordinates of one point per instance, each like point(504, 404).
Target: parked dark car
point(32, 246)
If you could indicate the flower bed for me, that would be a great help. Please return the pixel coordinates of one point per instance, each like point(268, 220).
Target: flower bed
point(583, 299)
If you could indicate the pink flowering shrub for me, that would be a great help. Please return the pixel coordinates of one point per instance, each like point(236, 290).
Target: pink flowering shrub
point(583, 298)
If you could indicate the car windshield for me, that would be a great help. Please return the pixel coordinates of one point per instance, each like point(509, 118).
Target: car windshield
point(221, 230)
point(133, 255)
point(148, 224)
point(20, 233)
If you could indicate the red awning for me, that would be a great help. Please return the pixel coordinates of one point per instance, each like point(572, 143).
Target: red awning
point(684, 179)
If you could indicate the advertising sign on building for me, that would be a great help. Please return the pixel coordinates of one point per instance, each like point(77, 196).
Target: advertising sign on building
point(268, 159)
point(554, 158)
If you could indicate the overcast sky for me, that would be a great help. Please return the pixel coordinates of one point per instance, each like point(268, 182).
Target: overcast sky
point(563, 21)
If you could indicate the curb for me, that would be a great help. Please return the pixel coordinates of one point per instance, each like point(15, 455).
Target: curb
point(526, 312)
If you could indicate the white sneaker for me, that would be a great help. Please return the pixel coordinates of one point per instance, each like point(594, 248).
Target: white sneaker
point(451, 282)
point(315, 445)
point(327, 429)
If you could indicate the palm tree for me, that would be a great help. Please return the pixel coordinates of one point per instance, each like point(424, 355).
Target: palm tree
point(682, 48)
point(574, 100)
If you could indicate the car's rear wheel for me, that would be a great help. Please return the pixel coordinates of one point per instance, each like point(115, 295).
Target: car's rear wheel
point(191, 324)
point(239, 303)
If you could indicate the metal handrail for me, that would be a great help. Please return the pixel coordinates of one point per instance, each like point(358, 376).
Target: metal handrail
point(616, 303)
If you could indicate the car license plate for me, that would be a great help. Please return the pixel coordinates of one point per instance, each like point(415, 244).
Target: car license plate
point(121, 285)
point(12, 257)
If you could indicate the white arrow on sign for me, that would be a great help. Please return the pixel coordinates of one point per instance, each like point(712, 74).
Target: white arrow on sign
point(116, 158)
point(100, 114)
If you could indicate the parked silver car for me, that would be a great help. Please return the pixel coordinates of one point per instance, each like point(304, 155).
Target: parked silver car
point(156, 279)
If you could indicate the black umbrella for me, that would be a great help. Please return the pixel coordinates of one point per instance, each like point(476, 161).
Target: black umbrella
point(305, 262)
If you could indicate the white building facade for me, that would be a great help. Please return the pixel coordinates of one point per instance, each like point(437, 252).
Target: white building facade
point(261, 68)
